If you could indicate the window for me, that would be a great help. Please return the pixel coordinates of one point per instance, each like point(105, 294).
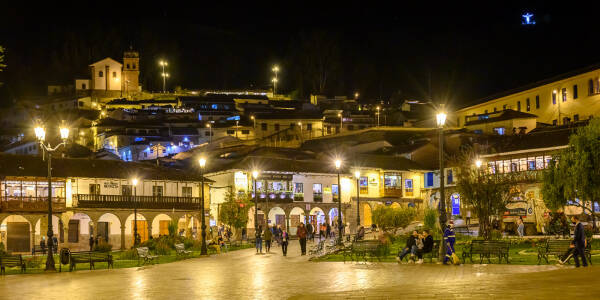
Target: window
point(408, 187)
point(292, 125)
point(328, 129)
point(500, 130)
point(126, 190)
point(519, 105)
point(83, 86)
point(309, 126)
point(157, 191)
point(298, 188)
point(537, 101)
point(429, 179)
point(134, 66)
point(554, 122)
point(514, 165)
point(263, 126)
point(575, 118)
point(317, 192)
point(186, 191)
point(94, 189)
point(276, 127)
point(564, 94)
point(523, 164)
point(450, 178)
point(478, 131)
point(566, 120)
point(114, 74)
point(128, 66)
point(230, 131)
point(590, 87)
point(528, 104)
point(246, 131)
point(531, 163)
point(554, 97)
point(335, 192)
point(363, 182)
point(207, 133)
point(575, 91)
point(504, 107)
point(495, 109)
point(100, 74)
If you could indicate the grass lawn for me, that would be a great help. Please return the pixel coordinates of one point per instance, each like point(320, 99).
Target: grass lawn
point(121, 259)
point(520, 253)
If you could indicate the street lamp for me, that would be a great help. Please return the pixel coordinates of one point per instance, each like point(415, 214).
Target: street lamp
point(301, 137)
point(377, 116)
point(341, 122)
point(356, 95)
point(40, 133)
point(478, 163)
point(163, 64)
point(255, 176)
point(357, 175)
point(441, 120)
point(203, 251)
point(136, 236)
point(338, 164)
point(209, 132)
point(275, 79)
point(253, 119)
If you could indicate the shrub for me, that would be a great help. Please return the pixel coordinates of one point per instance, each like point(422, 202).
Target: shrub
point(162, 248)
point(129, 254)
point(387, 217)
point(173, 228)
point(430, 219)
point(34, 262)
point(188, 243)
point(103, 247)
point(495, 234)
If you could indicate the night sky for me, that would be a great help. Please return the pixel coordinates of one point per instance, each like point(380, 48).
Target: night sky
point(382, 51)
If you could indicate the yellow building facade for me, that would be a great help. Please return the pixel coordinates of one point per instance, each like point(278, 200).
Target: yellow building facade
point(565, 98)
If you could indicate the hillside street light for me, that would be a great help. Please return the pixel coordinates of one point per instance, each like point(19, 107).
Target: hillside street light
point(163, 64)
point(275, 79)
point(301, 137)
point(341, 122)
point(255, 176)
point(357, 175)
point(136, 236)
point(253, 119)
point(338, 164)
point(441, 120)
point(203, 250)
point(377, 116)
point(40, 134)
point(209, 132)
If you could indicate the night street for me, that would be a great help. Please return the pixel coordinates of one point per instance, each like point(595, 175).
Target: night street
point(244, 275)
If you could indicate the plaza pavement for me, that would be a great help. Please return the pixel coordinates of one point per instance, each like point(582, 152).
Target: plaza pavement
point(244, 275)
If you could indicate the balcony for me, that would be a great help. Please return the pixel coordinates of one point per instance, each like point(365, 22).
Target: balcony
point(124, 201)
point(275, 196)
point(31, 204)
point(392, 192)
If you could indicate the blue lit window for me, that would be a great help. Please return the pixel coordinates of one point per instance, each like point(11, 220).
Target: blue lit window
point(429, 179)
point(478, 131)
point(483, 117)
point(500, 130)
point(186, 139)
point(214, 106)
point(596, 207)
point(450, 178)
point(138, 139)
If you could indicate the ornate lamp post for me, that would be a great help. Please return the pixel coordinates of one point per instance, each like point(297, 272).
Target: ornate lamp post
point(255, 176)
point(357, 175)
point(203, 250)
point(136, 236)
point(338, 164)
point(40, 133)
point(441, 120)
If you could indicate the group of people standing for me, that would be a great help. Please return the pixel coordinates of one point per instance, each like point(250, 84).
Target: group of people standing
point(278, 234)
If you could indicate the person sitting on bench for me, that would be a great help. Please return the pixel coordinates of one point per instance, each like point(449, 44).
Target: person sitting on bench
point(411, 246)
point(427, 240)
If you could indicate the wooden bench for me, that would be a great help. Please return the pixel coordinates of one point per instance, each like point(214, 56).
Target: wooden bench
point(144, 254)
point(11, 261)
point(486, 249)
point(38, 249)
point(558, 248)
point(180, 250)
point(364, 249)
point(89, 257)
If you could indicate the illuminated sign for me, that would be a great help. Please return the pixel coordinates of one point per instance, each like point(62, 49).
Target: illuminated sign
point(528, 19)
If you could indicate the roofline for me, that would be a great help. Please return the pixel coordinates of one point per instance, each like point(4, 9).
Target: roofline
point(526, 151)
point(108, 57)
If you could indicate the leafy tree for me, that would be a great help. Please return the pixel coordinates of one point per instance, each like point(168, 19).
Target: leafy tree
point(2, 65)
point(488, 194)
point(430, 218)
point(234, 211)
point(390, 218)
point(574, 173)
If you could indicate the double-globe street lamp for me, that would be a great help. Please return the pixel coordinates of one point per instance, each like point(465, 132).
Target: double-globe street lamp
point(255, 177)
point(203, 250)
point(357, 175)
point(338, 164)
point(40, 133)
point(441, 120)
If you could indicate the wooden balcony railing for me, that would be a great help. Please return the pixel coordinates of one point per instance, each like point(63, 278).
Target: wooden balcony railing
point(31, 204)
point(392, 192)
point(275, 197)
point(124, 201)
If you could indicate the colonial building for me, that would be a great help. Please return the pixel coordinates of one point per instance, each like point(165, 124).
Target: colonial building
point(94, 198)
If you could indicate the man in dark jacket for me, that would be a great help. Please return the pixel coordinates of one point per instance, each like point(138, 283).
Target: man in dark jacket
point(411, 246)
point(578, 242)
point(301, 233)
point(427, 240)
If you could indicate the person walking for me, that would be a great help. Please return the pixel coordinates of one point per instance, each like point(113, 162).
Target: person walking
point(54, 243)
point(328, 231)
point(268, 239)
point(468, 219)
point(259, 240)
point(301, 233)
point(309, 230)
point(579, 242)
point(284, 242)
point(91, 242)
point(449, 239)
point(520, 227)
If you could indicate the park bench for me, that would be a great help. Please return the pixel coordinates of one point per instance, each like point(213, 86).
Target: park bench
point(38, 249)
point(144, 254)
point(364, 249)
point(486, 249)
point(11, 261)
point(89, 257)
point(180, 250)
point(434, 251)
point(558, 248)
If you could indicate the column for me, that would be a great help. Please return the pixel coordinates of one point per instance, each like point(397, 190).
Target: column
point(188, 232)
point(122, 236)
point(149, 228)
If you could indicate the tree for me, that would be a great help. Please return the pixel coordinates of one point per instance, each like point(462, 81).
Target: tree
point(2, 65)
point(574, 173)
point(488, 194)
point(234, 211)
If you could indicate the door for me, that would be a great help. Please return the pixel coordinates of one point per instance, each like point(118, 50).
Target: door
point(103, 231)
point(280, 220)
point(142, 229)
point(18, 237)
point(163, 227)
point(73, 231)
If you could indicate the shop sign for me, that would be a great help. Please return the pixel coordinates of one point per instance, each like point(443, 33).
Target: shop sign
point(275, 177)
point(111, 185)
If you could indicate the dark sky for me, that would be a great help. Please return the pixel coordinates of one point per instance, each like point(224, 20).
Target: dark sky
point(469, 50)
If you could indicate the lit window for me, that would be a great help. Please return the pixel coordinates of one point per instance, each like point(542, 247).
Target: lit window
point(100, 74)
point(408, 187)
point(500, 130)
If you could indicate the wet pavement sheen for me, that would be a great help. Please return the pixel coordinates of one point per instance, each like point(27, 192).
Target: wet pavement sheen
point(244, 275)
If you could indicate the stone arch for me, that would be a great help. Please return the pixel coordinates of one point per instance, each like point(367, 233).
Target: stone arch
point(129, 228)
point(20, 241)
point(160, 225)
point(80, 226)
point(296, 216)
point(277, 217)
point(333, 214)
point(113, 229)
point(188, 225)
point(42, 231)
point(316, 217)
